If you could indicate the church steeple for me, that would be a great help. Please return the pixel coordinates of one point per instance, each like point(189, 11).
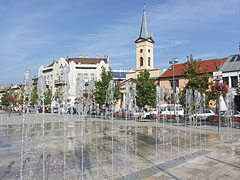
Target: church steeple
point(144, 46)
point(144, 27)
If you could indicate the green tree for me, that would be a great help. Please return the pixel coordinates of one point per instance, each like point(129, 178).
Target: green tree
point(4, 99)
point(102, 86)
point(48, 97)
point(196, 80)
point(59, 95)
point(34, 98)
point(146, 90)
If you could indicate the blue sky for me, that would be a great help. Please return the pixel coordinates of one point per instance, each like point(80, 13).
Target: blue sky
point(35, 33)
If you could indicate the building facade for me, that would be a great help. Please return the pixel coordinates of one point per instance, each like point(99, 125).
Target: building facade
point(91, 68)
point(231, 72)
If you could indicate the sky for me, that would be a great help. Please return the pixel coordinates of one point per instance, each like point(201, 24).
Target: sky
point(34, 33)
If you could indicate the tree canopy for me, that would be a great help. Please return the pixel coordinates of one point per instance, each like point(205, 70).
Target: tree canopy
point(34, 98)
point(196, 79)
point(146, 89)
point(102, 86)
point(48, 97)
point(4, 99)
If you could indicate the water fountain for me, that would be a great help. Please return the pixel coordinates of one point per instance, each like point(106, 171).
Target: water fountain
point(41, 89)
point(65, 72)
point(110, 101)
point(27, 95)
point(176, 97)
point(71, 149)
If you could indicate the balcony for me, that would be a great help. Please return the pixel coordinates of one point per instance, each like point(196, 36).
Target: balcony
point(59, 82)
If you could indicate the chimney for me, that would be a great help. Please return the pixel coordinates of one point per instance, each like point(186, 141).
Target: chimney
point(97, 57)
point(81, 56)
point(86, 56)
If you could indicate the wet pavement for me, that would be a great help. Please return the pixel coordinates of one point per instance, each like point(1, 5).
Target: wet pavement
point(70, 147)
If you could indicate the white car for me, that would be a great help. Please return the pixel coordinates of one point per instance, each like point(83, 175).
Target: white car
point(230, 113)
point(203, 115)
point(145, 114)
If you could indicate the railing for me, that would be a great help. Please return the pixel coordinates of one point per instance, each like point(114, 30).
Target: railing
point(59, 81)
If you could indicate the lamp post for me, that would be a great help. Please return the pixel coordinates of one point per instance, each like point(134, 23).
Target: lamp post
point(173, 62)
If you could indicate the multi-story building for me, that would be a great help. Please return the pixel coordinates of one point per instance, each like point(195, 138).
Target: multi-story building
point(91, 68)
point(231, 72)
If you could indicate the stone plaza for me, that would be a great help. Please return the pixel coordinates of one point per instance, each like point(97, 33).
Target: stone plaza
point(76, 147)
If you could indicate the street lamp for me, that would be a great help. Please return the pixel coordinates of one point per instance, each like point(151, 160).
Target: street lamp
point(173, 62)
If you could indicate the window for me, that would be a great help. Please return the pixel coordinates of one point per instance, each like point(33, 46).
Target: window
point(226, 80)
point(206, 111)
point(141, 61)
point(238, 59)
point(92, 75)
point(149, 61)
point(85, 75)
point(149, 50)
point(176, 83)
point(141, 50)
point(233, 58)
point(234, 80)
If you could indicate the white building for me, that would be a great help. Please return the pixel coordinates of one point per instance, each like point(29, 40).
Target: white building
point(91, 68)
point(231, 72)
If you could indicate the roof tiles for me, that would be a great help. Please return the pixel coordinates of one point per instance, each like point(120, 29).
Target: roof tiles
point(210, 65)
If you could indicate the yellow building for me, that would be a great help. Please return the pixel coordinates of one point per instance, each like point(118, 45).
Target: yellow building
point(166, 79)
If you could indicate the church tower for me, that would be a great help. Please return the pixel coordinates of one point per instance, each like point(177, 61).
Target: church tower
point(144, 47)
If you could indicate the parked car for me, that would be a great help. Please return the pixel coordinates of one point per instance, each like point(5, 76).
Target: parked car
point(202, 115)
point(123, 113)
point(230, 113)
point(145, 114)
point(167, 110)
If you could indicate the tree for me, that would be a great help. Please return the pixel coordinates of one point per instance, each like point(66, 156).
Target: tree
point(21, 96)
point(59, 95)
point(218, 89)
point(196, 80)
point(146, 90)
point(48, 97)
point(102, 86)
point(34, 98)
point(4, 99)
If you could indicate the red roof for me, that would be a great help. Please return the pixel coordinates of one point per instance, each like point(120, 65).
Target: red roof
point(210, 65)
point(50, 65)
point(87, 60)
point(83, 61)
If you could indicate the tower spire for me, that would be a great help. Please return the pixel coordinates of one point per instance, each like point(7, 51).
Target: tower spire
point(144, 27)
